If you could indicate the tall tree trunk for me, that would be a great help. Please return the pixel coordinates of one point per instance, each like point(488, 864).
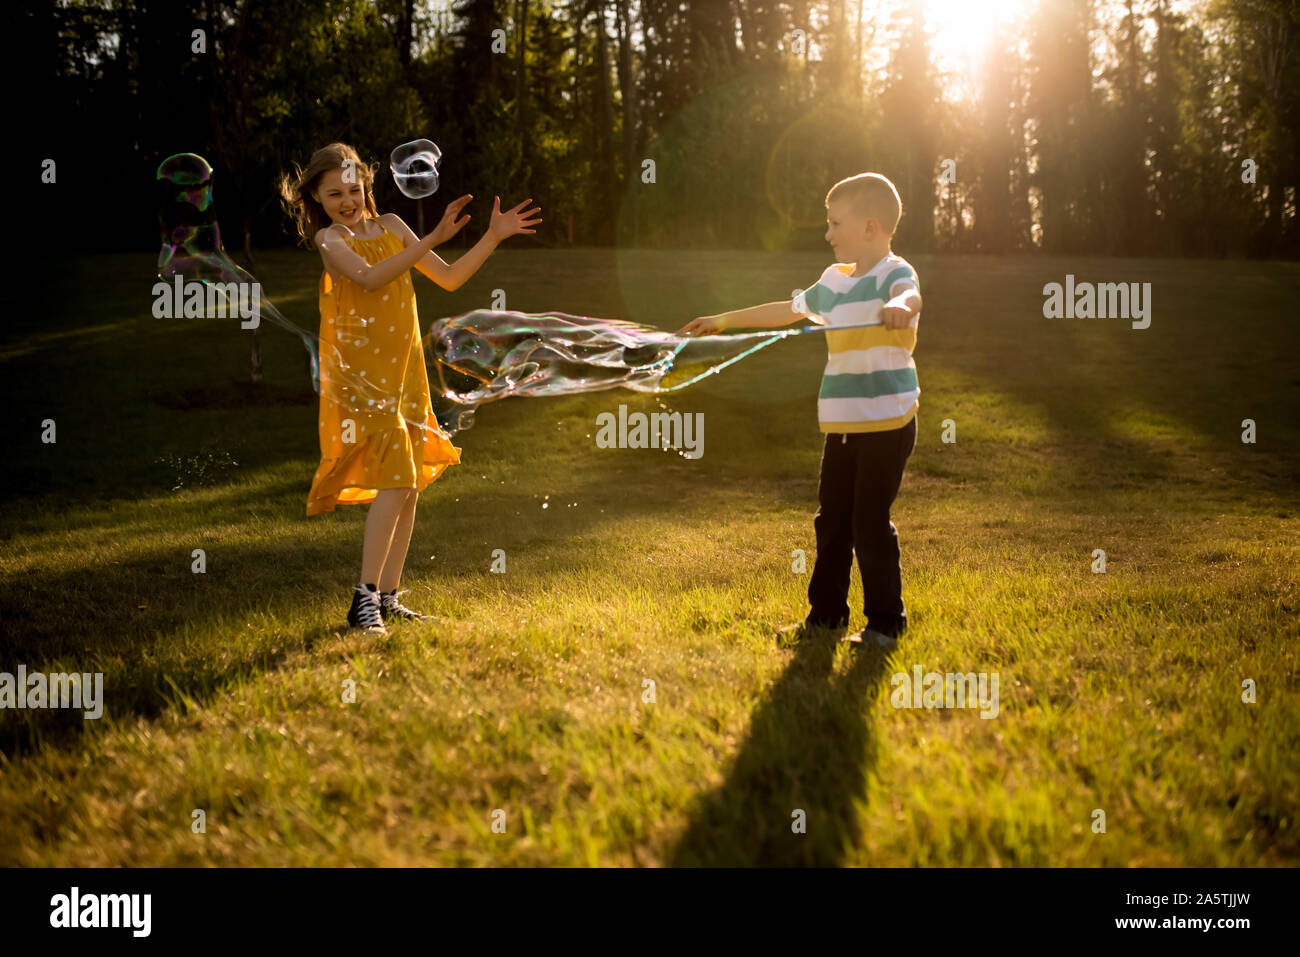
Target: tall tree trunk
point(255, 353)
point(628, 91)
point(579, 12)
point(860, 88)
point(605, 128)
point(748, 35)
point(521, 87)
point(992, 195)
point(408, 35)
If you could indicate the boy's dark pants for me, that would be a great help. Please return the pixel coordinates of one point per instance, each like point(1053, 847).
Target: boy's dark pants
point(860, 476)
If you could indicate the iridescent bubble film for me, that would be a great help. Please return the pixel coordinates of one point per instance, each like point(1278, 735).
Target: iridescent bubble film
point(191, 242)
point(415, 168)
point(486, 355)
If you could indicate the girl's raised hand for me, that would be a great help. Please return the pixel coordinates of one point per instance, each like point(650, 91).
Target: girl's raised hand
point(507, 224)
point(449, 225)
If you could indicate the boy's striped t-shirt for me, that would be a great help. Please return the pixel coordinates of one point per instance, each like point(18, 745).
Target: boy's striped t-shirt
point(870, 380)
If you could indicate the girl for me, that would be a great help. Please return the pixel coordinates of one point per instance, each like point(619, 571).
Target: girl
point(379, 439)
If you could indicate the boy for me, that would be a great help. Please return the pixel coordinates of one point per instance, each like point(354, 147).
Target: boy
point(867, 404)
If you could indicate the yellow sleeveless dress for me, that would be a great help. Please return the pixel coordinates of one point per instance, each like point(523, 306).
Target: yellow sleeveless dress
point(377, 428)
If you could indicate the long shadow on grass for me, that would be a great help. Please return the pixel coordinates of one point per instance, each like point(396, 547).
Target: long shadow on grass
point(810, 748)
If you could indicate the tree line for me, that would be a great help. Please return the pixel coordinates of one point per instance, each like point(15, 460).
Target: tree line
point(1114, 127)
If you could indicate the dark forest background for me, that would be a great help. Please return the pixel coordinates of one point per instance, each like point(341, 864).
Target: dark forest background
point(1091, 126)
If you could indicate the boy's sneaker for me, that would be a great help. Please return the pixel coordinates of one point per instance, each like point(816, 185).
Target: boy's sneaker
point(390, 607)
point(870, 638)
point(793, 634)
point(365, 611)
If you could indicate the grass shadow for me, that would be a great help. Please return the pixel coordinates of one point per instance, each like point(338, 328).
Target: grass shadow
point(811, 747)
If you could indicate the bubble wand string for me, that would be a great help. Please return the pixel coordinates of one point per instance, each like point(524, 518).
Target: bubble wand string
point(768, 339)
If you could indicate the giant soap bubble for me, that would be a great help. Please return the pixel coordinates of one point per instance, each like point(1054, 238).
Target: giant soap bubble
point(486, 355)
point(191, 242)
point(415, 168)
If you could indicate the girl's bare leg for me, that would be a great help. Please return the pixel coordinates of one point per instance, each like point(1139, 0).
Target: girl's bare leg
point(381, 522)
point(391, 572)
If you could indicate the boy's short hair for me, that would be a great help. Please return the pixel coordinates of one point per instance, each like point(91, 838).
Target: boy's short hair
point(873, 196)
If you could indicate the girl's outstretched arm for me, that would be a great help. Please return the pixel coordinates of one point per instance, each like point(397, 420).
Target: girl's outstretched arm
point(451, 276)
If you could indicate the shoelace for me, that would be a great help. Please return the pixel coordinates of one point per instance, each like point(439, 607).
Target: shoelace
point(368, 609)
point(393, 605)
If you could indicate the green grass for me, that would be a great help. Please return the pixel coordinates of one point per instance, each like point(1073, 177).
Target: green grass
point(1119, 691)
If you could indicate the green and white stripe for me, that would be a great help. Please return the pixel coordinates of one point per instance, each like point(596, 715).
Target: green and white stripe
point(870, 380)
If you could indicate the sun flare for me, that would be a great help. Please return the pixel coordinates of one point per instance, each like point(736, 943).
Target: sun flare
point(963, 29)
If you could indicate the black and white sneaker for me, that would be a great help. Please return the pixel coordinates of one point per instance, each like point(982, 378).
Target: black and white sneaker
point(365, 611)
point(391, 608)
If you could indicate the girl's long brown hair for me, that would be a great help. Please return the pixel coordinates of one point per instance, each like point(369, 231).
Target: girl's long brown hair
point(295, 189)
